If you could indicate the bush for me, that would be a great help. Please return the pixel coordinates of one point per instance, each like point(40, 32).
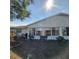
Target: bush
point(60, 40)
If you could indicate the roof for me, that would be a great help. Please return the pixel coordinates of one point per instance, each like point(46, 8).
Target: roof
point(20, 27)
point(60, 14)
point(63, 14)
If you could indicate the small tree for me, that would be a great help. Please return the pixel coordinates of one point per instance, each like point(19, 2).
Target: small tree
point(18, 9)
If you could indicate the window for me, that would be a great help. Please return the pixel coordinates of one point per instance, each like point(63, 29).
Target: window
point(38, 32)
point(55, 31)
point(33, 31)
point(18, 30)
point(66, 31)
point(48, 32)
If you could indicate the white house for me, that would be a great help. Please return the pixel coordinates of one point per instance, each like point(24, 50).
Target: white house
point(51, 27)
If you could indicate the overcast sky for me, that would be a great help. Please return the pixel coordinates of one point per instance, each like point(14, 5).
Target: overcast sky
point(39, 11)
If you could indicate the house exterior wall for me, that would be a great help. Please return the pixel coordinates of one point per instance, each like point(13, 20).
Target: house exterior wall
point(25, 31)
point(47, 24)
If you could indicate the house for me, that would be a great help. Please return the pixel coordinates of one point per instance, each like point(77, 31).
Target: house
point(17, 30)
point(51, 27)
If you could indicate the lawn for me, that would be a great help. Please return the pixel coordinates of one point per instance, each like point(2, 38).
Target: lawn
point(37, 49)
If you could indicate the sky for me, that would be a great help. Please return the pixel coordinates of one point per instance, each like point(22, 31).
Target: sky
point(39, 10)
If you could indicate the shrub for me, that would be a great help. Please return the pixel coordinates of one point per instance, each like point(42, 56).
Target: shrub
point(60, 40)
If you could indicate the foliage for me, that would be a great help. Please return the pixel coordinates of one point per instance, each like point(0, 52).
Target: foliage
point(60, 40)
point(19, 9)
point(12, 35)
